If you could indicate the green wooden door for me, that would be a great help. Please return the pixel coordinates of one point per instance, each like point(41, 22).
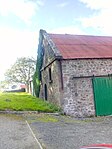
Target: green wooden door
point(103, 95)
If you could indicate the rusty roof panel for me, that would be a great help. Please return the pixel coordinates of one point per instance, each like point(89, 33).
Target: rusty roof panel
point(83, 46)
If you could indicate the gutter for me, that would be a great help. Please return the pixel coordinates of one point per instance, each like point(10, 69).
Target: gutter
point(56, 58)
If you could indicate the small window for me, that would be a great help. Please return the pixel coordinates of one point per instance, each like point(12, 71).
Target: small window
point(50, 75)
point(45, 92)
point(41, 77)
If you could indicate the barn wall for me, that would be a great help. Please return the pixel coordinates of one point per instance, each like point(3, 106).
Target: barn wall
point(53, 86)
point(78, 98)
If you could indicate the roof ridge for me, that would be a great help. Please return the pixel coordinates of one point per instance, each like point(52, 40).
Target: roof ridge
point(87, 44)
point(81, 35)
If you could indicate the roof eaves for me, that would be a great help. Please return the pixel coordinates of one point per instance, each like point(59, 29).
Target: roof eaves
point(86, 58)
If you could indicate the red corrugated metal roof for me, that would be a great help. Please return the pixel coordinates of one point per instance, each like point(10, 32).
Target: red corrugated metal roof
point(83, 46)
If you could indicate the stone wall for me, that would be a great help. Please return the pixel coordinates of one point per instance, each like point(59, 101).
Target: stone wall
point(78, 98)
point(48, 53)
point(54, 86)
point(50, 62)
point(87, 67)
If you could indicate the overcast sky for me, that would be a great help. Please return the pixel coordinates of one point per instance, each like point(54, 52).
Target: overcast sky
point(21, 20)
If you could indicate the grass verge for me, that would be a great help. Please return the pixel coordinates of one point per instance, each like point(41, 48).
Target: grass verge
point(42, 117)
point(25, 102)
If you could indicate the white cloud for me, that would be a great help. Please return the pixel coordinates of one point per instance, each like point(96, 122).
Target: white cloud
point(16, 43)
point(67, 30)
point(100, 20)
point(98, 4)
point(61, 5)
point(22, 9)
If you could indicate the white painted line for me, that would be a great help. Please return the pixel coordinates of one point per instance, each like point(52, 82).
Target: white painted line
point(34, 136)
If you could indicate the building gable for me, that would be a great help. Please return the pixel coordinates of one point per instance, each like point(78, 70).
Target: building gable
point(50, 51)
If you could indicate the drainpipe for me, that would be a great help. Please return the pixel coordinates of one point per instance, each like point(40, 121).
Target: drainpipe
point(61, 75)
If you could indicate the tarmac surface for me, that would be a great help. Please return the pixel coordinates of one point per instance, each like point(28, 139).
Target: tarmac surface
point(64, 132)
point(47, 131)
point(15, 133)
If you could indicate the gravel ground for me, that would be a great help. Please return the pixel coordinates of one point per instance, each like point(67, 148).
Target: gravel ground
point(15, 134)
point(62, 132)
point(52, 131)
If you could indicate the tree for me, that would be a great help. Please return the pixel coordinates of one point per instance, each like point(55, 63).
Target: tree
point(21, 71)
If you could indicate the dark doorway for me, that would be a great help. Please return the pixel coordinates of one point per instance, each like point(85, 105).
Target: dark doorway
point(45, 92)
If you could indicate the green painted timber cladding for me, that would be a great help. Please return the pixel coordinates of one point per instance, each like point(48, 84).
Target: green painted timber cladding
point(103, 95)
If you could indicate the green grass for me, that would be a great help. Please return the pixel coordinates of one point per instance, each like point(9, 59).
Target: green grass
point(42, 117)
point(25, 102)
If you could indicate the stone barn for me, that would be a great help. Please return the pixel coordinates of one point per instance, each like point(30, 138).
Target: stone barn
point(76, 73)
